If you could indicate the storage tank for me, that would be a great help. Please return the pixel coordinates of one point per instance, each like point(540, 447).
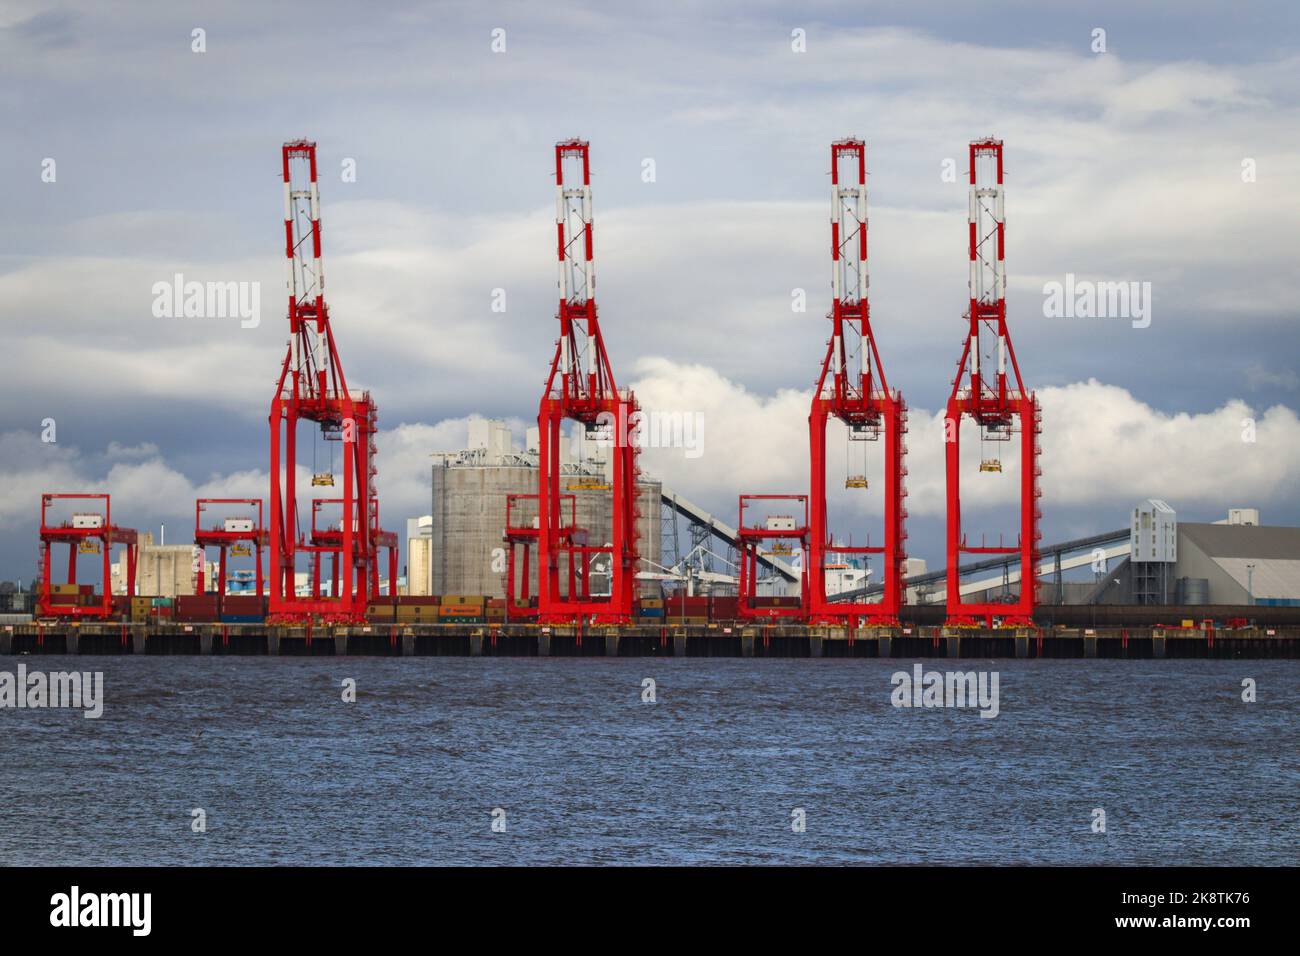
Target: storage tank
point(469, 517)
point(1193, 590)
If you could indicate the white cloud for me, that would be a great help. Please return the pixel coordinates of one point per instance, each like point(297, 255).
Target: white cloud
point(1100, 446)
point(147, 490)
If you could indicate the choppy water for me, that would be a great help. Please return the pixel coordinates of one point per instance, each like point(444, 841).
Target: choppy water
point(586, 773)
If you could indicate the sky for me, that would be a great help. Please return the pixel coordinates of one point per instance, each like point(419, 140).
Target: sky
point(1162, 150)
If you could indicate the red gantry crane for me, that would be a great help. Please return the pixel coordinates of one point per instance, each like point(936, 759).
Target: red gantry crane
point(750, 538)
point(85, 532)
point(521, 536)
point(581, 388)
point(239, 534)
point(327, 539)
point(852, 388)
point(312, 387)
point(996, 405)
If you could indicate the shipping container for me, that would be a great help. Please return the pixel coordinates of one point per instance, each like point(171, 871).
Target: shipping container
point(381, 613)
point(196, 608)
point(243, 605)
point(689, 603)
point(459, 610)
point(418, 612)
point(724, 607)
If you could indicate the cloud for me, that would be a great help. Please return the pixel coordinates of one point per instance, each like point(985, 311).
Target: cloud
point(147, 490)
point(1259, 377)
point(1110, 175)
point(1101, 447)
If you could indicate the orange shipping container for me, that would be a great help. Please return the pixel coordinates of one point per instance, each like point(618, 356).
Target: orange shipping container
point(460, 610)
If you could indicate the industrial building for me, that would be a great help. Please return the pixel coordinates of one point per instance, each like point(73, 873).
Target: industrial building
point(169, 570)
point(1235, 560)
point(162, 570)
point(458, 549)
point(1155, 561)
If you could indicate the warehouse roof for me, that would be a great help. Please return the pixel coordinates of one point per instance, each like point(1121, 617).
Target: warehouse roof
point(1244, 540)
point(1274, 552)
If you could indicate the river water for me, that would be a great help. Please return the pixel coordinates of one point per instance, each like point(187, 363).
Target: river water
point(575, 768)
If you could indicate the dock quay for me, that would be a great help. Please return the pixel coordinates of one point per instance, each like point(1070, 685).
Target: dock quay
point(712, 640)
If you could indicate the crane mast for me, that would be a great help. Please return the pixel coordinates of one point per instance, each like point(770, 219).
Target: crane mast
point(581, 388)
point(989, 390)
point(312, 387)
point(852, 388)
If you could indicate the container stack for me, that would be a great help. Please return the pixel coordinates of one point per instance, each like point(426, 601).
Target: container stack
point(649, 611)
point(243, 609)
point(383, 611)
point(462, 609)
point(417, 609)
point(82, 595)
point(196, 608)
point(724, 607)
point(685, 609)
